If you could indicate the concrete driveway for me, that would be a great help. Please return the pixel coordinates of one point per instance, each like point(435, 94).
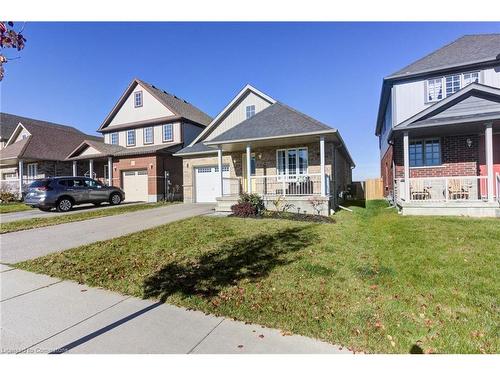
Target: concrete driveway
point(29, 244)
point(41, 314)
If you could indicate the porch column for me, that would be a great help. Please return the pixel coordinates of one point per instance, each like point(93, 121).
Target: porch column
point(20, 172)
point(249, 169)
point(406, 146)
point(91, 168)
point(74, 168)
point(221, 179)
point(110, 171)
point(322, 164)
point(488, 140)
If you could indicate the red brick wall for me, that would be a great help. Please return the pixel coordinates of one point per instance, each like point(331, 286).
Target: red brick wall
point(386, 171)
point(133, 163)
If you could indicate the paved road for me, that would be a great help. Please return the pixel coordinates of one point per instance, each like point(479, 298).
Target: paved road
point(41, 314)
point(28, 244)
point(31, 214)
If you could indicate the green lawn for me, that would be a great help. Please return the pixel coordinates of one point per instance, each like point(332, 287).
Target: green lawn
point(6, 208)
point(373, 281)
point(39, 222)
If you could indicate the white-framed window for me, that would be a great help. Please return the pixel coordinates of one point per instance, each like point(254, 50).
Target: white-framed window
point(250, 111)
point(425, 152)
point(168, 132)
point(113, 138)
point(148, 135)
point(32, 170)
point(131, 137)
point(292, 161)
point(137, 99)
point(438, 88)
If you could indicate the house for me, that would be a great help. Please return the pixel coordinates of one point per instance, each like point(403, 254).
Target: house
point(259, 145)
point(439, 130)
point(35, 149)
point(141, 133)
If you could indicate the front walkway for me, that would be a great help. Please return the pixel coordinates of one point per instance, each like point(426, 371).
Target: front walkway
point(41, 314)
point(29, 244)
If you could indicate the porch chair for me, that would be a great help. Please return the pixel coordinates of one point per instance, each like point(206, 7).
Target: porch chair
point(418, 191)
point(458, 191)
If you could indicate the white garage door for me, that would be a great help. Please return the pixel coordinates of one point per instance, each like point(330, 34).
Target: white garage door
point(207, 182)
point(135, 185)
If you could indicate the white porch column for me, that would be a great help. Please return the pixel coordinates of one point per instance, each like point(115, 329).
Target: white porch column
point(74, 168)
point(20, 172)
point(488, 140)
point(110, 171)
point(406, 146)
point(91, 168)
point(322, 164)
point(221, 179)
point(249, 169)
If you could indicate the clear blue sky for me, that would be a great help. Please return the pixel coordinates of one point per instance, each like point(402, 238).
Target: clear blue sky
point(73, 73)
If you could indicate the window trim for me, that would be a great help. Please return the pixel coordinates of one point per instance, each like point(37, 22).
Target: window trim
point(152, 135)
point(443, 84)
point(141, 96)
point(111, 138)
point(246, 111)
point(423, 140)
point(135, 137)
point(31, 177)
point(163, 132)
point(297, 167)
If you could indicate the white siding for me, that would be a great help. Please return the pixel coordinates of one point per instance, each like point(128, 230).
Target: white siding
point(89, 151)
point(139, 136)
point(23, 132)
point(492, 76)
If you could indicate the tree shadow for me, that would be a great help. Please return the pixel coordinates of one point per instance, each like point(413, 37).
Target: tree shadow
point(251, 258)
point(354, 203)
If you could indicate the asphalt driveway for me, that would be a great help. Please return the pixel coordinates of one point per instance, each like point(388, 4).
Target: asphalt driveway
point(41, 314)
point(29, 244)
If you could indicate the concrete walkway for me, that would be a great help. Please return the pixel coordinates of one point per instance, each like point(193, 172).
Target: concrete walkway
point(41, 314)
point(28, 244)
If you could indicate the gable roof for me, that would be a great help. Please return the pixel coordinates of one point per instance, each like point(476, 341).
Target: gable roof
point(48, 141)
point(180, 107)
point(8, 124)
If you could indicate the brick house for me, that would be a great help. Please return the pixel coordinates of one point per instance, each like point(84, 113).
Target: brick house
point(439, 131)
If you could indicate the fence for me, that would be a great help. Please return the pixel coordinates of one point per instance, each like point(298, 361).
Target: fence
point(374, 189)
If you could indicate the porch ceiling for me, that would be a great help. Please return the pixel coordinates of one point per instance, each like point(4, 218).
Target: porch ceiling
point(472, 127)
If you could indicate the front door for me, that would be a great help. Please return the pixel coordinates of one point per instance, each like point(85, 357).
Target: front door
point(252, 172)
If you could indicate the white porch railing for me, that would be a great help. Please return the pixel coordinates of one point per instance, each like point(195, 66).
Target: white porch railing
point(443, 189)
point(12, 185)
point(231, 186)
point(305, 184)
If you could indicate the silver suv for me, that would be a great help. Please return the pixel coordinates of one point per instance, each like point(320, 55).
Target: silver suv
point(65, 192)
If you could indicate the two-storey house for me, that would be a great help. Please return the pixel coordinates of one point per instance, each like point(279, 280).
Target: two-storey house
point(141, 133)
point(439, 130)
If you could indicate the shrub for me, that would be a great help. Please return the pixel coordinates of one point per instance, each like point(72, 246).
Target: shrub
point(7, 196)
point(243, 209)
point(254, 199)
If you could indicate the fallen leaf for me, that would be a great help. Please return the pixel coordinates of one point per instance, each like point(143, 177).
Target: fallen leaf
point(240, 346)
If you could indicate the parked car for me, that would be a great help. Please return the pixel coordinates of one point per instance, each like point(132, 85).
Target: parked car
point(63, 193)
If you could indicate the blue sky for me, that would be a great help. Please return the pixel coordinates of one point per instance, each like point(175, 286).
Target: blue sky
point(73, 73)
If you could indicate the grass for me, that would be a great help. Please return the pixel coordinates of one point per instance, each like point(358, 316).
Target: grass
point(15, 226)
point(6, 208)
point(373, 281)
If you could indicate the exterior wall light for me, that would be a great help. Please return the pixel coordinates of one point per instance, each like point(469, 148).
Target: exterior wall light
point(469, 142)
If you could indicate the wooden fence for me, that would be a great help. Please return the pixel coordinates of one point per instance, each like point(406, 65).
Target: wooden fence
point(374, 189)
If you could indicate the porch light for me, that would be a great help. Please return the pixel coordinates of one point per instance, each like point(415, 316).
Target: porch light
point(469, 142)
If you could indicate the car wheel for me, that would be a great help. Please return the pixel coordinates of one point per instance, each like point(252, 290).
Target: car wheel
point(64, 205)
point(115, 199)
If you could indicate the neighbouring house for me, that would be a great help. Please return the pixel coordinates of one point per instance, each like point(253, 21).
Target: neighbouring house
point(259, 145)
point(35, 149)
point(141, 133)
point(439, 131)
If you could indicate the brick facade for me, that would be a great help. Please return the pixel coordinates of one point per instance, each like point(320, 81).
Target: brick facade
point(387, 171)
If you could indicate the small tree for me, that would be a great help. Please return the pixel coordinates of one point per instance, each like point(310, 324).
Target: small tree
point(317, 205)
point(9, 38)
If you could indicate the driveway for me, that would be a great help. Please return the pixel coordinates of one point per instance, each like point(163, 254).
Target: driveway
point(41, 314)
point(29, 244)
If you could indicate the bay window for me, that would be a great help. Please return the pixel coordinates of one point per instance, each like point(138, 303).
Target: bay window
point(292, 161)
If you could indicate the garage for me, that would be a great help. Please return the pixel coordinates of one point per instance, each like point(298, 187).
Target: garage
point(135, 185)
point(207, 182)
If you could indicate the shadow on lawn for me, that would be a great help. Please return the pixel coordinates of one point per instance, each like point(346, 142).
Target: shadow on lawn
point(251, 258)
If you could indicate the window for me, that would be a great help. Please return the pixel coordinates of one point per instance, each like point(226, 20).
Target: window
point(442, 87)
point(93, 184)
point(292, 161)
point(32, 171)
point(131, 137)
point(168, 133)
point(137, 99)
point(250, 111)
point(148, 135)
point(425, 153)
point(114, 138)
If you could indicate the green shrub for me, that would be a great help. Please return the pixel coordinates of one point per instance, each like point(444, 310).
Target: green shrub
point(255, 200)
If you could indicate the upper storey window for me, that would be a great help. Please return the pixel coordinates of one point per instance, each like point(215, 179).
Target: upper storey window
point(114, 138)
point(137, 99)
point(442, 87)
point(250, 111)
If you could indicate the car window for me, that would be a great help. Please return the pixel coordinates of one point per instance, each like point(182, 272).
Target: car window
point(79, 183)
point(40, 183)
point(93, 183)
point(63, 182)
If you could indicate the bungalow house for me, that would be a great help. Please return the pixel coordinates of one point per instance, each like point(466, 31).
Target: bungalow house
point(141, 133)
point(35, 149)
point(439, 131)
point(259, 145)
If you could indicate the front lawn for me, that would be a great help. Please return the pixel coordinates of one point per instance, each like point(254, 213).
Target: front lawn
point(15, 226)
point(373, 281)
point(6, 208)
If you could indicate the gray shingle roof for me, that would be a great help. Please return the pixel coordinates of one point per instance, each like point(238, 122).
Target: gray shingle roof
point(8, 124)
point(198, 147)
point(466, 50)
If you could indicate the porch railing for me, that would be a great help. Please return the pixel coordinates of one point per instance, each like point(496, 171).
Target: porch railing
point(12, 185)
point(231, 186)
point(443, 189)
point(305, 184)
